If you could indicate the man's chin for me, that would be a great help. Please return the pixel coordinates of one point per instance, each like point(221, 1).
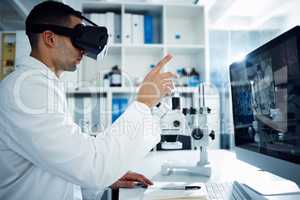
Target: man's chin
point(71, 68)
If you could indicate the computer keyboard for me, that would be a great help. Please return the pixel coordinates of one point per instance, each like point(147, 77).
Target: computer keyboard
point(226, 191)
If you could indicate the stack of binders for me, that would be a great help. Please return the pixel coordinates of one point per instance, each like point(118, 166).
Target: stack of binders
point(118, 107)
point(112, 22)
point(138, 29)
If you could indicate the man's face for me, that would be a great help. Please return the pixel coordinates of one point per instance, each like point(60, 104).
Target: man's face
point(66, 55)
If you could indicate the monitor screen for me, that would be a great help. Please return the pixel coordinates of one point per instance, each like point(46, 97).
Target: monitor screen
point(266, 98)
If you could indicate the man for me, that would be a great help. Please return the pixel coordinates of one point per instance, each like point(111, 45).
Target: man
point(43, 154)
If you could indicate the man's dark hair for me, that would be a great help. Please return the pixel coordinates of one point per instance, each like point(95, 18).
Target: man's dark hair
point(48, 12)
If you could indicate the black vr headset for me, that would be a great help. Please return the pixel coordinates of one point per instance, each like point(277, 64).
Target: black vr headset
point(91, 39)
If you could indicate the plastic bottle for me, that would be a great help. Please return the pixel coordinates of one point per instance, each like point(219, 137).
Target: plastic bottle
point(194, 78)
point(115, 79)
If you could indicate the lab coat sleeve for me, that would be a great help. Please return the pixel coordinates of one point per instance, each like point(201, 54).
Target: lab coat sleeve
point(54, 143)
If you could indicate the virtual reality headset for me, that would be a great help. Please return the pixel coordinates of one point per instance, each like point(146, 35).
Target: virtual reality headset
point(91, 39)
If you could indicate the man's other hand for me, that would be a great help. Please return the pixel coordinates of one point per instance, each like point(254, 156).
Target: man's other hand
point(156, 84)
point(130, 179)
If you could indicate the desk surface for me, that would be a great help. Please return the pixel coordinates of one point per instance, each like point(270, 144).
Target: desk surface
point(225, 167)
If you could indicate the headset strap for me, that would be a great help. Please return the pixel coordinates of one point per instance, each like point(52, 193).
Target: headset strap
point(61, 30)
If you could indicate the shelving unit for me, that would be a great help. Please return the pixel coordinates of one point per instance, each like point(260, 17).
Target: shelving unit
point(177, 29)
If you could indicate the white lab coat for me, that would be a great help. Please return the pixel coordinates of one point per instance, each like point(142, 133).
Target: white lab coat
point(44, 155)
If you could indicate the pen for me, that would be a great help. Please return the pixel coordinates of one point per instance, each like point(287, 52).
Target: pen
point(193, 187)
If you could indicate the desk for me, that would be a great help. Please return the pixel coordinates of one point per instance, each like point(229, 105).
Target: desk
point(225, 167)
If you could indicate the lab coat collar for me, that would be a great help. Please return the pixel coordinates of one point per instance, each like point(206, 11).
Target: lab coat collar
point(33, 63)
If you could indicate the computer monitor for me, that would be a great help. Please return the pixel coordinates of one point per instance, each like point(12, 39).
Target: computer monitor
point(265, 90)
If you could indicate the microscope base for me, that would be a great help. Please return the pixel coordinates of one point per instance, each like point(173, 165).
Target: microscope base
point(204, 170)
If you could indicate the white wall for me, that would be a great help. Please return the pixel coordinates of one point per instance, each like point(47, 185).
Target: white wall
point(287, 19)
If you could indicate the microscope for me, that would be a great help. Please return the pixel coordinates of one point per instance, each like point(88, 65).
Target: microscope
point(172, 123)
point(199, 132)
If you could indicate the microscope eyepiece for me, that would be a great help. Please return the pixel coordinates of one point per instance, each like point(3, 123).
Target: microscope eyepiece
point(175, 103)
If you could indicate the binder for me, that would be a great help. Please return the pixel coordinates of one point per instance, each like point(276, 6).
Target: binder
point(137, 29)
point(87, 114)
point(148, 26)
point(78, 110)
point(115, 109)
point(83, 115)
point(94, 18)
point(104, 116)
point(141, 31)
point(101, 19)
point(98, 18)
point(123, 103)
point(110, 27)
point(127, 28)
point(96, 118)
point(117, 21)
point(118, 107)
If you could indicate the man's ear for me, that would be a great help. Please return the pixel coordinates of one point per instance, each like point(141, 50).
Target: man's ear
point(49, 38)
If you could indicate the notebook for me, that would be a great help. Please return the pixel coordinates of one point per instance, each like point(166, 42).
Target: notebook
point(156, 192)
